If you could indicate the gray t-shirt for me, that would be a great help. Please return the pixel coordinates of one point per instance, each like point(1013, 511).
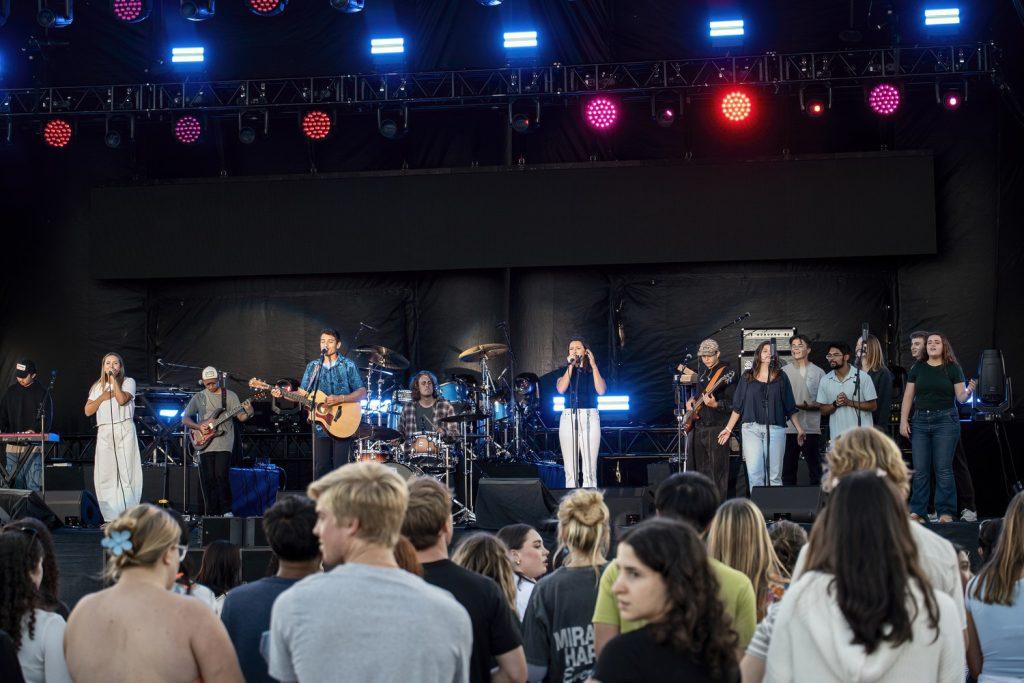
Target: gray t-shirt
point(205, 405)
point(368, 624)
point(805, 383)
point(558, 632)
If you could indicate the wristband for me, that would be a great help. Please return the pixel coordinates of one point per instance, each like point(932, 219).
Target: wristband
point(835, 404)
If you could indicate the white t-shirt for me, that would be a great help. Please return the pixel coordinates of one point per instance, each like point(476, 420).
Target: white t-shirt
point(524, 589)
point(109, 412)
point(805, 383)
point(42, 657)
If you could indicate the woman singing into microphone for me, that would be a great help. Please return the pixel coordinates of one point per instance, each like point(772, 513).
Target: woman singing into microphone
point(118, 470)
point(579, 430)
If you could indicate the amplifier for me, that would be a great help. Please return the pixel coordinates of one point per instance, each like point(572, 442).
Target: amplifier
point(749, 339)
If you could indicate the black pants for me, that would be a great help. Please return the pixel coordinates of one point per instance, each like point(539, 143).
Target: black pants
point(710, 458)
point(791, 459)
point(213, 475)
point(330, 454)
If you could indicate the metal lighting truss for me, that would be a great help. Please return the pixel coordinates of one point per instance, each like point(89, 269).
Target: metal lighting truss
point(496, 87)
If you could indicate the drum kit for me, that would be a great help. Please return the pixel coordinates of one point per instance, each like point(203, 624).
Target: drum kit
point(487, 420)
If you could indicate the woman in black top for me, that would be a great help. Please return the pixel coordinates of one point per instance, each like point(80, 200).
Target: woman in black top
point(873, 362)
point(665, 579)
point(579, 429)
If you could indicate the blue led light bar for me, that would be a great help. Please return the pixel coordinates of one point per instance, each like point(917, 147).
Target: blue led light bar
point(722, 29)
point(942, 17)
point(387, 46)
point(181, 55)
point(516, 39)
point(604, 403)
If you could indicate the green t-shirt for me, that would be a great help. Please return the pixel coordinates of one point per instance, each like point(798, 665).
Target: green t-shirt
point(933, 385)
point(734, 590)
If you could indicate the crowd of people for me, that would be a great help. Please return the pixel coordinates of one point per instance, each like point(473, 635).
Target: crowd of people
point(369, 587)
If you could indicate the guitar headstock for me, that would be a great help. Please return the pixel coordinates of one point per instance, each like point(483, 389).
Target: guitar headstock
point(259, 385)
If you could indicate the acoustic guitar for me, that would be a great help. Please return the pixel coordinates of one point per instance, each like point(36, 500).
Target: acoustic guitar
point(201, 440)
point(693, 414)
point(340, 421)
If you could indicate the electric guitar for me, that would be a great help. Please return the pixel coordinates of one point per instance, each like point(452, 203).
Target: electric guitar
point(340, 421)
point(201, 440)
point(693, 414)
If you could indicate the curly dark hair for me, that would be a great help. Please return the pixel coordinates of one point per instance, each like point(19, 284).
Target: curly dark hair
point(696, 623)
point(787, 540)
point(20, 552)
point(49, 590)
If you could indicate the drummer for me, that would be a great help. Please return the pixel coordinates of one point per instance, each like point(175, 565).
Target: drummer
point(427, 409)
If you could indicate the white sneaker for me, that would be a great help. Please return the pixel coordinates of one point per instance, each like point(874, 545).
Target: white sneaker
point(228, 514)
point(933, 518)
point(968, 516)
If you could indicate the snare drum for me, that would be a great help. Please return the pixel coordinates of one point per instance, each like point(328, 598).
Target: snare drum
point(427, 451)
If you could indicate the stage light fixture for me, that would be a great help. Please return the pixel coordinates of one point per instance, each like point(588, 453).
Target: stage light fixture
point(61, 17)
point(942, 16)
point(247, 125)
point(113, 127)
point(520, 39)
point(952, 100)
point(316, 125)
point(387, 46)
point(522, 120)
point(736, 106)
point(348, 6)
point(729, 28)
point(884, 99)
point(951, 95)
point(188, 55)
point(815, 101)
point(187, 130)
point(605, 403)
point(393, 127)
point(131, 11)
point(266, 8)
point(57, 133)
point(600, 113)
point(489, 3)
point(198, 10)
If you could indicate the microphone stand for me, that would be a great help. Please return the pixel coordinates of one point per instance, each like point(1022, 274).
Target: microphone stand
point(41, 417)
point(314, 386)
point(766, 457)
point(574, 412)
point(856, 378)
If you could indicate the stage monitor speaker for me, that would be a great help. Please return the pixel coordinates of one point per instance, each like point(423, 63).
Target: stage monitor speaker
point(153, 487)
point(18, 503)
point(795, 503)
point(501, 501)
point(80, 505)
point(66, 477)
point(224, 529)
point(628, 506)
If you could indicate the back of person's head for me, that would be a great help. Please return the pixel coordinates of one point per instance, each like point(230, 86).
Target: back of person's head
point(143, 534)
point(689, 496)
point(369, 492)
point(863, 539)
point(584, 526)
point(696, 621)
point(997, 581)
point(867, 448)
point(221, 569)
point(20, 554)
point(738, 537)
point(405, 557)
point(487, 555)
point(514, 535)
point(49, 589)
point(288, 525)
point(787, 540)
point(988, 534)
point(428, 514)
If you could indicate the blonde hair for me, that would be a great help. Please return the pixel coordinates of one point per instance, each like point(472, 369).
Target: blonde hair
point(429, 509)
point(487, 555)
point(152, 531)
point(997, 581)
point(365, 491)
point(103, 375)
point(738, 537)
point(867, 448)
point(871, 355)
point(583, 526)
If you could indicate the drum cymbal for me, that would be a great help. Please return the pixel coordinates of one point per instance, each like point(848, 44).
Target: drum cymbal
point(383, 357)
point(369, 431)
point(464, 417)
point(475, 353)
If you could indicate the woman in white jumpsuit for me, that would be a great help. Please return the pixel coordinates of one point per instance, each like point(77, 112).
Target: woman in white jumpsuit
point(117, 473)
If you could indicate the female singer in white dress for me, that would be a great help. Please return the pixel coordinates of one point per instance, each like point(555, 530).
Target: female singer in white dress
point(118, 470)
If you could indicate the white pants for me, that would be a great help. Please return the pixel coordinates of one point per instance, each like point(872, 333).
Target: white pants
point(589, 440)
point(117, 473)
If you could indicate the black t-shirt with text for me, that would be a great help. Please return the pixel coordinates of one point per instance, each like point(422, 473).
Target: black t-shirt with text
point(495, 625)
point(634, 657)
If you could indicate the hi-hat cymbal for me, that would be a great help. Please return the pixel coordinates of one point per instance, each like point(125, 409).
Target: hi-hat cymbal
point(377, 432)
point(383, 357)
point(475, 353)
point(464, 417)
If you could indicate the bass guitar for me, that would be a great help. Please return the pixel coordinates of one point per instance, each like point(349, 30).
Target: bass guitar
point(693, 414)
point(201, 439)
point(340, 421)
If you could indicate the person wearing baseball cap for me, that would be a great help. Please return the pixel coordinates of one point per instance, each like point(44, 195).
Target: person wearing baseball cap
point(710, 457)
point(201, 413)
point(18, 410)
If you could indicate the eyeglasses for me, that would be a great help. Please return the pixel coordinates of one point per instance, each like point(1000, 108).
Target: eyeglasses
point(833, 355)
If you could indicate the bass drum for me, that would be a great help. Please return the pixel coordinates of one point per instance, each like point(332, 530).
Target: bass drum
point(405, 471)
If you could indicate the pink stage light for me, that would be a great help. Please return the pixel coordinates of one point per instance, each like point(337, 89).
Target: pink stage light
point(601, 113)
point(129, 11)
point(187, 130)
point(884, 99)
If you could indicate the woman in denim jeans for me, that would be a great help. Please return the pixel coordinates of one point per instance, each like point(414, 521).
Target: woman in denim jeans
point(761, 387)
point(934, 385)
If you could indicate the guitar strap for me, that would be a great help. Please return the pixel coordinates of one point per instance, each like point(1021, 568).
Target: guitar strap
point(715, 376)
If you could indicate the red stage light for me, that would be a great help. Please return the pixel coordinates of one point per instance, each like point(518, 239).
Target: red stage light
point(57, 133)
point(736, 106)
point(267, 7)
point(187, 130)
point(952, 100)
point(316, 125)
point(601, 113)
point(129, 11)
point(815, 108)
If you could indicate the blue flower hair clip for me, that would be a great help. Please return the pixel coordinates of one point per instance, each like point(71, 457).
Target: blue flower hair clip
point(118, 543)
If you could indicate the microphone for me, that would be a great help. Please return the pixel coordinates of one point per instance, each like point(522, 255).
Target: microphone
point(864, 333)
point(159, 361)
point(775, 354)
point(53, 375)
point(369, 327)
point(501, 325)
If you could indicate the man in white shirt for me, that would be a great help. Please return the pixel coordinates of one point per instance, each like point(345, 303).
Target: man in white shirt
point(366, 619)
point(804, 377)
point(846, 395)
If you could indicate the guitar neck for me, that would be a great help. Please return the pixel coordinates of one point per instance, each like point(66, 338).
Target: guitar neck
point(231, 413)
